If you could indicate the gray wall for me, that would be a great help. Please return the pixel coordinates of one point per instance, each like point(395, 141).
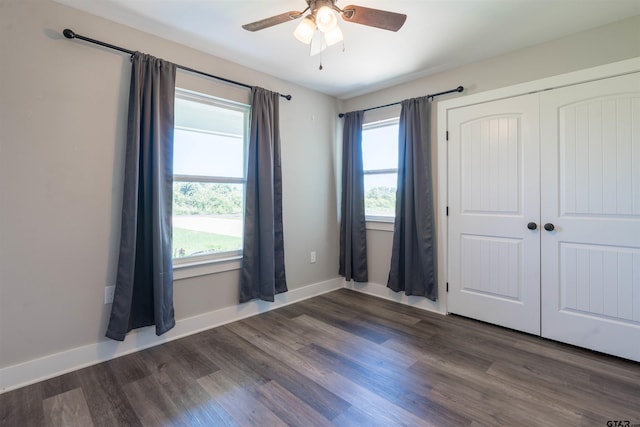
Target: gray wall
point(63, 109)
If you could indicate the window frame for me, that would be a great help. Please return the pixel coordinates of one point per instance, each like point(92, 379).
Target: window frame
point(380, 218)
point(230, 259)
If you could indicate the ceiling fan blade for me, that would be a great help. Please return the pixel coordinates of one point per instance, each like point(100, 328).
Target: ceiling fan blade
point(374, 17)
point(274, 20)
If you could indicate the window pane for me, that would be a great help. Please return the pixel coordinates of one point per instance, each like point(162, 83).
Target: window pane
point(206, 114)
point(207, 154)
point(209, 141)
point(207, 218)
point(380, 147)
point(380, 194)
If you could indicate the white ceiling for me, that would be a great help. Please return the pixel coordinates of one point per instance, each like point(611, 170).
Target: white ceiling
point(438, 34)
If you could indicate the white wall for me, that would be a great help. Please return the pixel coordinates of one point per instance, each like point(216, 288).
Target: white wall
point(63, 109)
point(602, 45)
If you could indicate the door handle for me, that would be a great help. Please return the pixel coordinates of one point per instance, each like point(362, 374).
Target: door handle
point(532, 226)
point(549, 227)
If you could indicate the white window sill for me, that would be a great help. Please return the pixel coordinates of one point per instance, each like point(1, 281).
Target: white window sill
point(202, 268)
point(380, 224)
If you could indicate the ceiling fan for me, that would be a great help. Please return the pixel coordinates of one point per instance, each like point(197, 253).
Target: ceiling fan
point(322, 16)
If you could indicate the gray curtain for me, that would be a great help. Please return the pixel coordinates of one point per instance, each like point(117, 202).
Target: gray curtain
point(413, 258)
point(353, 233)
point(263, 274)
point(144, 282)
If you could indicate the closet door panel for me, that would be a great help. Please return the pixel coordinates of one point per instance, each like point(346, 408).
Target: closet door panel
point(493, 195)
point(590, 192)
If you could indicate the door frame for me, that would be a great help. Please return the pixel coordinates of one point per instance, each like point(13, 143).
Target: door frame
point(569, 79)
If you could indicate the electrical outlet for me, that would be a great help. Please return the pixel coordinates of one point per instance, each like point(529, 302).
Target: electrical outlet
point(109, 291)
point(312, 257)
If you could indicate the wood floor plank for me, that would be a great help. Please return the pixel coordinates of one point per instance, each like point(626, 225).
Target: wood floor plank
point(511, 399)
point(345, 342)
point(500, 405)
point(344, 359)
point(483, 346)
point(355, 395)
point(61, 384)
point(219, 347)
point(337, 317)
point(292, 359)
point(346, 301)
point(322, 400)
point(128, 368)
point(199, 409)
point(192, 401)
point(370, 403)
point(326, 311)
point(349, 325)
point(280, 329)
point(622, 389)
point(239, 402)
point(68, 409)
point(22, 407)
point(608, 366)
point(571, 394)
point(287, 406)
point(190, 356)
point(357, 300)
point(356, 417)
point(151, 404)
point(105, 398)
point(408, 394)
point(464, 357)
point(392, 329)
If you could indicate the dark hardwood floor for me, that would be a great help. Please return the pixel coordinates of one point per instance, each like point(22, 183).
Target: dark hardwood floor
point(342, 359)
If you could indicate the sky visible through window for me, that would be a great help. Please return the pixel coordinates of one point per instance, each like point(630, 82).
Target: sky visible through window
point(204, 154)
point(380, 147)
point(380, 153)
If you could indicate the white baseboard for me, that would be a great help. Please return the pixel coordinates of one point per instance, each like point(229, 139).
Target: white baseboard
point(381, 291)
point(32, 371)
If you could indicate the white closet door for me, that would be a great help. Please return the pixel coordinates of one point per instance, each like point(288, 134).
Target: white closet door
point(494, 182)
point(590, 149)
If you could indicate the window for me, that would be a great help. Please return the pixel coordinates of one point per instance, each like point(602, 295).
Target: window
point(380, 164)
point(209, 175)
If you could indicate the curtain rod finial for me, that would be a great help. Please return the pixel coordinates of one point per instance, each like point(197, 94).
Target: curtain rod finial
point(460, 88)
point(69, 33)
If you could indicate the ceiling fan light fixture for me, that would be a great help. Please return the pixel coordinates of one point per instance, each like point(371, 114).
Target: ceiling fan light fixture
point(326, 19)
point(334, 36)
point(305, 29)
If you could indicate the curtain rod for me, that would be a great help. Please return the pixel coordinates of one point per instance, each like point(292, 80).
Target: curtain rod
point(458, 89)
point(70, 34)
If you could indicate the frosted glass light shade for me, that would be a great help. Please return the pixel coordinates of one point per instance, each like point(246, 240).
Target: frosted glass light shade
point(334, 36)
point(326, 19)
point(318, 43)
point(305, 29)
